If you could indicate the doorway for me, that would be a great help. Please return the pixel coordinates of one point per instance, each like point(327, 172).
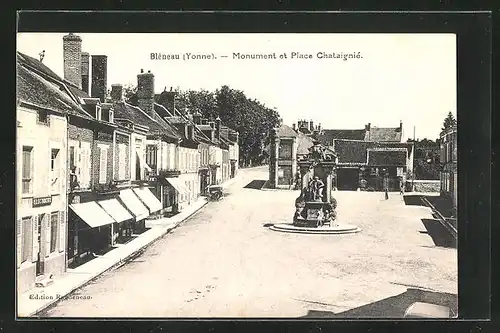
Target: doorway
point(39, 262)
point(347, 179)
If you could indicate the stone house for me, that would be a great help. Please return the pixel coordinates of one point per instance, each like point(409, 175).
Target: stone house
point(41, 152)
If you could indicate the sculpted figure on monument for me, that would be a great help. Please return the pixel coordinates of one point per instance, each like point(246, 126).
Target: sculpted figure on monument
point(315, 188)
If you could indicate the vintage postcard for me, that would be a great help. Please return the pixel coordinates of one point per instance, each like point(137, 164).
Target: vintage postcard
point(227, 175)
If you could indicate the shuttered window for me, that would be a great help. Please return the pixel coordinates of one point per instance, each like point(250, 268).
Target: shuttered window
point(27, 234)
point(27, 171)
point(122, 151)
point(103, 162)
point(62, 231)
point(54, 223)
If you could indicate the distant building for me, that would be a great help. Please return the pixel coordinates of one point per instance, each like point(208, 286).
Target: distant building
point(448, 175)
point(371, 158)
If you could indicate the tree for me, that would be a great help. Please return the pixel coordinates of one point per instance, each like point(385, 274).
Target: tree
point(130, 93)
point(449, 122)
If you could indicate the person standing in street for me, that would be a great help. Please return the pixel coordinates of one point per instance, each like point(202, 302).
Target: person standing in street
point(401, 186)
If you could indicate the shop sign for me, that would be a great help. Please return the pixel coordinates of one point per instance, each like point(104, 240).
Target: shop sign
point(42, 201)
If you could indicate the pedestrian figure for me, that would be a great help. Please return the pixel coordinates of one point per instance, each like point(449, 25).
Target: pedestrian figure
point(386, 194)
point(401, 187)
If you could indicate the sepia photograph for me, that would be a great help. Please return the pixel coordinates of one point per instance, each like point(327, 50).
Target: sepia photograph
point(236, 175)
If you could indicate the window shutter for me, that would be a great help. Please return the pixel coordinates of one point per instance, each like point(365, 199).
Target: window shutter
point(62, 231)
point(46, 232)
point(19, 241)
point(102, 164)
point(34, 253)
point(29, 238)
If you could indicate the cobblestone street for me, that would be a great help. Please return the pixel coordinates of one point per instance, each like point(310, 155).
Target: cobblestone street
point(225, 262)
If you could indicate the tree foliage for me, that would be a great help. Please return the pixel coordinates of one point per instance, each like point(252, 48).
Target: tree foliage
point(449, 122)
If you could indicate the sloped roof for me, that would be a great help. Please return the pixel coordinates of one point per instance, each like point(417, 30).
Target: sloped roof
point(77, 92)
point(26, 59)
point(136, 115)
point(383, 134)
point(352, 151)
point(286, 131)
point(387, 157)
point(327, 136)
point(34, 89)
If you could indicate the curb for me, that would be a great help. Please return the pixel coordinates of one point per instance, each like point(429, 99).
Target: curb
point(116, 265)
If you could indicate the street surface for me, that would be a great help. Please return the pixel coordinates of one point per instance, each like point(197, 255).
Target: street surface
point(225, 262)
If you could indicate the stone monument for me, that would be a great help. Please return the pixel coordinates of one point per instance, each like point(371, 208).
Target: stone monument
point(315, 205)
point(315, 208)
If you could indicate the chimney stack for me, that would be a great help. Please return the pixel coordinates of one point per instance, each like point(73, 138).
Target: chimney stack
point(311, 126)
point(400, 125)
point(294, 127)
point(167, 99)
point(72, 56)
point(85, 72)
point(146, 92)
point(217, 127)
point(367, 127)
point(117, 93)
point(99, 77)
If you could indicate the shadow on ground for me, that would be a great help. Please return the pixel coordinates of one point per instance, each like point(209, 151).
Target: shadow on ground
point(392, 307)
point(256, 184)
point(442, 203)
point(439, 234)
point(413, 200)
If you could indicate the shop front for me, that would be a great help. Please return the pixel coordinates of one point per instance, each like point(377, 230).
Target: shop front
point(148, 199)
point(121, 230)
point(140, 212)
point(89, 231)
point(178, 187)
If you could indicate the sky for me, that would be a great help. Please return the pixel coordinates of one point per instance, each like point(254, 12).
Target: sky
point(397, 77)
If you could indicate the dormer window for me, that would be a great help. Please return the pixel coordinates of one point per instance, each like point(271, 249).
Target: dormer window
point(43, 117)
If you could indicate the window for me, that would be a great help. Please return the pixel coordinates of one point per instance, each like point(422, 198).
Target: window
point(54, 220)
point(43, 117)
point(151, 151)
point(27, 234)
point(54, 169)
point(103, 162)
point(27, 174)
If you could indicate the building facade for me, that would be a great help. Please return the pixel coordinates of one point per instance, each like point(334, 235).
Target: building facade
point(41, 154)
point(449, 174)
point(373, 158)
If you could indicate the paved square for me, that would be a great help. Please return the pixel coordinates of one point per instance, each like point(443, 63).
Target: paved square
point(225, 262)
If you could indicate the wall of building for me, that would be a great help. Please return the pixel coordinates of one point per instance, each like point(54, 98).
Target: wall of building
point(426, 186)
point(47, 181)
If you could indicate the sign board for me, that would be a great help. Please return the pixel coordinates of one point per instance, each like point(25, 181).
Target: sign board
point(42, 201)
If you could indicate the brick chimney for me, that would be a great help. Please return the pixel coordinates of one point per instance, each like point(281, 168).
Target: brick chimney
point(117, 92)
point(217, 128)
point(85, 72)
point(146, 92)
point(99, 77)
point(294, 127)
point(400, 125)
point(72, 56)
point(311, 126)
point(167, 99)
